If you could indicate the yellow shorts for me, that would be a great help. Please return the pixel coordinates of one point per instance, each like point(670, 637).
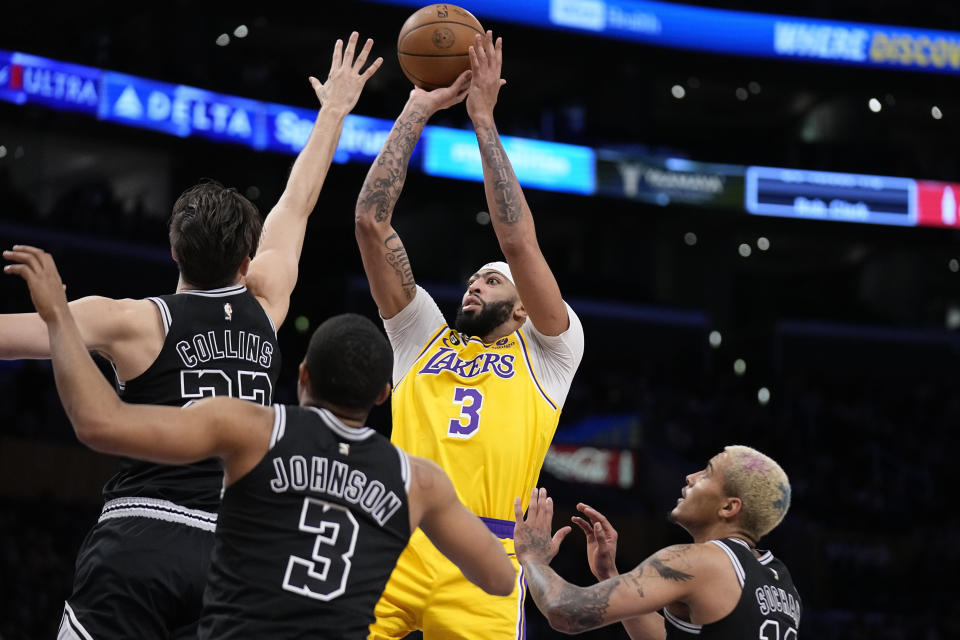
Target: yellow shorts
point(427, 592)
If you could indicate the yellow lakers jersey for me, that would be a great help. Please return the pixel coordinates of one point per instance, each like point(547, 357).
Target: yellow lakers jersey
point(479, 411)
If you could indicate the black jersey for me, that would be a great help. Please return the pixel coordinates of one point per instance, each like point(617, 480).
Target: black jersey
point(219, 342)
point(769, 606)
point(306, 541)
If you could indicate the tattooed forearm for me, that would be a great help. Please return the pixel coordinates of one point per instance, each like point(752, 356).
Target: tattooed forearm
point(585, 607)
point(382, 187)
point(396, 257)
point(569, 608)
point(507, 198)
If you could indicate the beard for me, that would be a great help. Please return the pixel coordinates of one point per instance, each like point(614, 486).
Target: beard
point(482, 323)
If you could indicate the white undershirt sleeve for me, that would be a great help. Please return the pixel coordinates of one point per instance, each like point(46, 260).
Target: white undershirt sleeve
point(555, 358)
point(410, 329)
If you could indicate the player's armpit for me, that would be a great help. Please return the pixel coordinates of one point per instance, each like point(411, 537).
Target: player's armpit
point(457, 533)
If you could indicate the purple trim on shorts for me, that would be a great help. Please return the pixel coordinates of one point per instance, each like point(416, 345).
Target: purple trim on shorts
point(522, 631)
point(500, 528)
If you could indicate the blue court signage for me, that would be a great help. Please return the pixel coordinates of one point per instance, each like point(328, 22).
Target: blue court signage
point(732, 32)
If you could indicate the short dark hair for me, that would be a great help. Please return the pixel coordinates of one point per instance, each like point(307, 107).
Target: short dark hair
point(349, 361)
point(212, 230)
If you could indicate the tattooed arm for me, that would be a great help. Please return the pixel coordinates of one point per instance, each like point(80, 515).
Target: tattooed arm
point(601, 555)
point(666, 577)
point(384, 256)
point(509, 212)
point(672, 575)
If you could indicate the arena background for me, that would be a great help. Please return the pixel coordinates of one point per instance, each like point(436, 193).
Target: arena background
point(851, 329)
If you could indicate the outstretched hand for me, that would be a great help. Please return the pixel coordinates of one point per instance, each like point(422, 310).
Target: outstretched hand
point(36, 266)
point(486, 62)
point(444, 97)
point(346, 81)
point(531, 537)
point(601, 542)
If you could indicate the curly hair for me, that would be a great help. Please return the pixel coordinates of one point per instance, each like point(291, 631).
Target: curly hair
point(762, 486)
point(212, 230)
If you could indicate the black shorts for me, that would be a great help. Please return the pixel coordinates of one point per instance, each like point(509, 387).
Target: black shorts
point(138, 577)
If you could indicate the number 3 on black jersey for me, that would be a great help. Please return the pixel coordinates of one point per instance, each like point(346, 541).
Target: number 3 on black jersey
point(201, 383)
point(324, 575)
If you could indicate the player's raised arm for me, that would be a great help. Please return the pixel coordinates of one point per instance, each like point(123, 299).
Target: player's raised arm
point(384, 257)
point(218, 427)
point(273, 272)
point(509, 212)
point(456, 532)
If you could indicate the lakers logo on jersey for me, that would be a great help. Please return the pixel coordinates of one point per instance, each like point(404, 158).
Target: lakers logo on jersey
point(446, 359)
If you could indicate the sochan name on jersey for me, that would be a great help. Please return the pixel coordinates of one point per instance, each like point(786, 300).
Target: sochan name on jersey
point(770, 599)
point(447, 360)
point(335, 479)
point(234, 345)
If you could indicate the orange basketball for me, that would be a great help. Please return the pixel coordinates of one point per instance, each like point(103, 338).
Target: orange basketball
point(433, 45)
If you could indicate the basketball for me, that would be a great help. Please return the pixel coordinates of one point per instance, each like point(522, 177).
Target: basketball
point(433, 45)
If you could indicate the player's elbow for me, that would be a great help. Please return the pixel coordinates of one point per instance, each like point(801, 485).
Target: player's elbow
point(95, 426)
point(496, 576)
point(558, 619)
point(518, 245)
point(364, 223)
point(94, 432)
point(503, 581)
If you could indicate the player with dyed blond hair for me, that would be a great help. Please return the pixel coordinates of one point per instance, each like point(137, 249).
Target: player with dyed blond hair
point(721, 587)
point(482, 398)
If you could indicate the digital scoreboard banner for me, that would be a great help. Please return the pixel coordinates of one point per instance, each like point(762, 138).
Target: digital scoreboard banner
point(591, 465)
point(26, 79)
point(185, 111)
point(287, 130)
point(182, 111)
point(637, 175)
point(938, 204)
point(822, 195)
point(454, 153)
point(733, 32)
point(623, 172)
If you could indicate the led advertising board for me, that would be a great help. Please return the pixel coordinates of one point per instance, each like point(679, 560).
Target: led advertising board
point(731, 32)
point(822, 195)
